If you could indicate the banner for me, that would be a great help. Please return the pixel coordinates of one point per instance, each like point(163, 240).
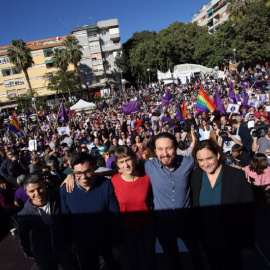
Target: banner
point(63, 130)
point(32, 145)
point(233, 108)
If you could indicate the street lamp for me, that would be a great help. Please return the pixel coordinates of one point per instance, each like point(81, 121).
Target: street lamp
point(123, 82)
point(216, 69)
point(148, 70)
point(234, 51)
point(35, 106)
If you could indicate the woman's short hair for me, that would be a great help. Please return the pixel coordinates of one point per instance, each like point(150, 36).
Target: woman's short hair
point(211, 146)
point(258, 163)
point(124, 151)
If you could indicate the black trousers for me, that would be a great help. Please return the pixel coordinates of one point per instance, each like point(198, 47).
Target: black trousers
point(65, 258)
point(168, 231)
point(223, 259)
point(89, 258)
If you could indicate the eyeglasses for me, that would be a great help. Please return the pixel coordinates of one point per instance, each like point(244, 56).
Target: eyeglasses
point(88, 172)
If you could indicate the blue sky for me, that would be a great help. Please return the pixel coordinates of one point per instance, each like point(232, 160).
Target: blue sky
point(33, 20)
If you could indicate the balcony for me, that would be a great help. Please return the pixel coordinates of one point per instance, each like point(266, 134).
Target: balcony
point(108, 23)
point(115, 37)
point(99, 73)
point(95, 50)
point(97, 62)
point(112, 48)
point(93, 38)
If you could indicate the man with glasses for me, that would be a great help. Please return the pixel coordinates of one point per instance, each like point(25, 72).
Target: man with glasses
point(94, 214)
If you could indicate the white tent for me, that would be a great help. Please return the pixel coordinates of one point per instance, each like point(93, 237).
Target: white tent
point(185, 70)
point(83, 105)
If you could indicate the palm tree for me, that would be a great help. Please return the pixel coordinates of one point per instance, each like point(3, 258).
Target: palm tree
point(237, 9)
point(60, 59)
point(73, 48)
point(20, 55)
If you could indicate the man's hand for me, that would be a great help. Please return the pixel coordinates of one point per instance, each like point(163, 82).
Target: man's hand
point(69, 181)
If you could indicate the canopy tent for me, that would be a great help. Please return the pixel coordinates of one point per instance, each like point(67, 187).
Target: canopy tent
point(185, 70)
point(83, 105)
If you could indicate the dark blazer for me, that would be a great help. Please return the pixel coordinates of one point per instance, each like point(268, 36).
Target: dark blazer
point(45, 239)
point(245, 136)
point(236, 206)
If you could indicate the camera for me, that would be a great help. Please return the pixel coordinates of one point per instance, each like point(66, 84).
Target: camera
point(223, 132)
point(237, 162)
point(187, 127)
point(259, 131)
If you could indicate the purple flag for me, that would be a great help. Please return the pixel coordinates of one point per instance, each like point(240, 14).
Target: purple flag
point(245, 98)
point(63, 114)
point(179, 115)
point(28, 114)
point(131, 107)
point(231, 95)
point(167, 98)
point(218, 102)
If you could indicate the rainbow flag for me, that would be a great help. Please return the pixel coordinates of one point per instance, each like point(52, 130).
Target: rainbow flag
point(204, 103)
point(184, 110)
point(14, 125)
point(41, 113)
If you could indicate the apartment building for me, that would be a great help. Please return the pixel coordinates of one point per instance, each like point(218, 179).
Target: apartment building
point(212, 15)
point(12, 81)
point(100, 44)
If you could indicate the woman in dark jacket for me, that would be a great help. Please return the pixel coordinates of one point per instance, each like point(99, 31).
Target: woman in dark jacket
point(222, 200)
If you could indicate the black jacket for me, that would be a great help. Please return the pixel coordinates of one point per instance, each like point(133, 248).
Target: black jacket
point(46, 239)
point(237, 217)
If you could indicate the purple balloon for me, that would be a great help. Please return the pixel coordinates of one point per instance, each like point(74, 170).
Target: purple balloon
point(245, 83)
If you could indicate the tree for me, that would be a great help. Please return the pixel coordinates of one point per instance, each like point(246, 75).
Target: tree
point(60, 59)
point(20, 55)
point(63, 81)
point(73, 48)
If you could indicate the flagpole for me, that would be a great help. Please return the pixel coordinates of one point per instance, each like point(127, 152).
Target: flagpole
point(59, 112)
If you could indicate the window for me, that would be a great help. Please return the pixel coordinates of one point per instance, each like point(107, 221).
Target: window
point(92, 35)
point(103, 32)
point(48, 53)
point(16, 71)
point(6, 72)
point(94, 59)
point(107, 55)
point(49, 65)
point(4, 60)
point(9, 84)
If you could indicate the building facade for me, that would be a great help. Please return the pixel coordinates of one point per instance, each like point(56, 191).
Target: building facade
point(12, 81)
point(212, 15)
point(100, 44)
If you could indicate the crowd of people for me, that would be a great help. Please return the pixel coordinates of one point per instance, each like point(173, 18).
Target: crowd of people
point(112, 184)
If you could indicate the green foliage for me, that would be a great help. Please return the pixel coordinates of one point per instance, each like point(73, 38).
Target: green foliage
point(20, 55)
point(61, 59)
point(73, 49)
point(247, 30)
point(63, 81)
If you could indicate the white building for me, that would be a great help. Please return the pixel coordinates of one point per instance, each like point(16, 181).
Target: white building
point(100, 44)
point(212, 15)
